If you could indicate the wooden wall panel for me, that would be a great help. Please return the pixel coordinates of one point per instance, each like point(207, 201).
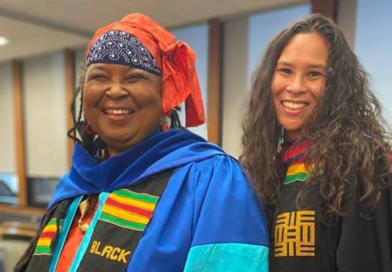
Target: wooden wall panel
point(328, 8)
point(214, 111)
point(19, 131)
point(70, 90)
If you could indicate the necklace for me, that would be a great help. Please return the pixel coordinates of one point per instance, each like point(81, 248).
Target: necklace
point(85, 207)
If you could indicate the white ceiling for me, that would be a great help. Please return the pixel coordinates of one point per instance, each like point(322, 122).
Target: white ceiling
point(39, 26)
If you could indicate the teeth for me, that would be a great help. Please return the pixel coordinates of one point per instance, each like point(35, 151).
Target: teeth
point(293, 105)
point(118, 111)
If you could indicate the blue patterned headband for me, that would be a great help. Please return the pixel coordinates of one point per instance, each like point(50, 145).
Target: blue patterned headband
point(120, 47)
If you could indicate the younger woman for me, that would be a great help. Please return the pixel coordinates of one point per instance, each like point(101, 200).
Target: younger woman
point(317, 151)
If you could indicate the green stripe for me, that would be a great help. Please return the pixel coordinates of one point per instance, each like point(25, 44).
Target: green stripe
point(52, 222)
point(42, 250)
point(296, 177)
point(121, 222)
point(136, 196)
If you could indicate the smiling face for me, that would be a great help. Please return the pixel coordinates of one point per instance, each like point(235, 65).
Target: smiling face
point(299, 80)
point(122, 104)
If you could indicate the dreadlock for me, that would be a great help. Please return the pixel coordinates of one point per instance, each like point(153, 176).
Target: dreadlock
point(175, 118)
point(92, 143)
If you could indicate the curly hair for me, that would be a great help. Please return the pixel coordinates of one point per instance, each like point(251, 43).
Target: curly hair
point(345, 114)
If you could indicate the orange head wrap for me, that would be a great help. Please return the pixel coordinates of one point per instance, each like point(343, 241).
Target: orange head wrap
point(175, 59)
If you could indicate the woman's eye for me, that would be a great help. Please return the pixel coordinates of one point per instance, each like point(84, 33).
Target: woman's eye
point(99, 77)
point(285, 71)
point(135, 77)
point(314, 74)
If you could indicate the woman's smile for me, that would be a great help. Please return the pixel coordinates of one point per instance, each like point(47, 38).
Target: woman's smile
point(119, 114)
point(294, 108)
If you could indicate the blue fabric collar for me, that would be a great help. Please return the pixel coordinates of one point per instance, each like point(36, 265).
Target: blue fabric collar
point(160, 152)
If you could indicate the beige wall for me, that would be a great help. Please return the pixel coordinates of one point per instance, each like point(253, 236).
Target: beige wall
point(347, 17)
point(7, 132)
point(235, 69)
point(45, 115)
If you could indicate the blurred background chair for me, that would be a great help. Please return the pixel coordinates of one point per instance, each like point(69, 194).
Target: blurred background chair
point(14, 240)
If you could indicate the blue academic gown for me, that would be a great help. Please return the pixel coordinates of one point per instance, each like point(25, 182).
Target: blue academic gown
point(207, 219)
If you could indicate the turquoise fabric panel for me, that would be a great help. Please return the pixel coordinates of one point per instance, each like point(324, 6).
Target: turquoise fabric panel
point(87, 236)
point(64, 233)
point(231, 257)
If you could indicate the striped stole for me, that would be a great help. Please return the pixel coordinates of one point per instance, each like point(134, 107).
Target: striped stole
point(46, 238)
point(128, 209)
point(293, 157)
point(124, 216)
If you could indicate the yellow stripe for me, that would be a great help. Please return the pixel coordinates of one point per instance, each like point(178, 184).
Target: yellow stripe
point(44, 242)
point(125, 215)
point(50, 228)
point(298, 168)
point(132, 202)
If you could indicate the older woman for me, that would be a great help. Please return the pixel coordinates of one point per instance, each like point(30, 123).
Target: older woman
point(317, 150)
point(139, 198)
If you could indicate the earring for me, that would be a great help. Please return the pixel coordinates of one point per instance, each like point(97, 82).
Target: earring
point(89, 130)
point(164, 126)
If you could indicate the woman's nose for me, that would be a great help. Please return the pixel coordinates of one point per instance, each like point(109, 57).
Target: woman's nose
point(116, 91)
point(297, 85)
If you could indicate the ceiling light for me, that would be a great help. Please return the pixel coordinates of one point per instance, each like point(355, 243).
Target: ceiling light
point(3, 41)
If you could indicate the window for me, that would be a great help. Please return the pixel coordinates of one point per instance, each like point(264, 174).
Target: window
point(265, 26)
point(373, 44)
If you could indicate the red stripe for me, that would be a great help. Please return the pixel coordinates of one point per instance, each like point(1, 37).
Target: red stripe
point(132, 209)
point(47, 234)
point(292, 151)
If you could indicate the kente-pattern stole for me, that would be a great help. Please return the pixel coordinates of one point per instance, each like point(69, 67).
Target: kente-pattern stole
point(295, 230)
point(116, 230)
point(46, 238)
